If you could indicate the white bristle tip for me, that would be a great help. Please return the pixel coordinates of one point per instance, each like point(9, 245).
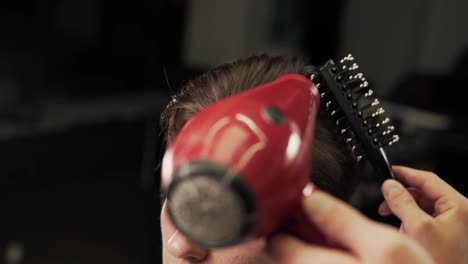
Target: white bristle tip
point(369, 93)
point(348, 57)
point(378, 112)
point(354, 66)
point(358, 76)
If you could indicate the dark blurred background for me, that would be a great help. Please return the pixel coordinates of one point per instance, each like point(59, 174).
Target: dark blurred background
point(83, 82)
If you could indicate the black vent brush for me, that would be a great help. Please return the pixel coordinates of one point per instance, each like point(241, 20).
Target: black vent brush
point(360, 118)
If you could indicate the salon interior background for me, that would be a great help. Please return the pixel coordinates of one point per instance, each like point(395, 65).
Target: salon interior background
point(82, 83)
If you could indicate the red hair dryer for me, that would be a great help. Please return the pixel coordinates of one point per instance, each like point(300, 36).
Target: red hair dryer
point(239, 168)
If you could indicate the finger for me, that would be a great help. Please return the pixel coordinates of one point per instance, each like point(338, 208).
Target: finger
point(343, 224)
point(384, 210)
point(431, 185)
point(401, 203)
point(286, 249)
point(425, 204)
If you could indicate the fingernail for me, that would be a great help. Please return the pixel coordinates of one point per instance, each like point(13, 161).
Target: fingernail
point(391, 188)
point(307, 191)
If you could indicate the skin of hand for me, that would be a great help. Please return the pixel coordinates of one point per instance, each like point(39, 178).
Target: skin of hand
point(431, 211)
point(360, 239)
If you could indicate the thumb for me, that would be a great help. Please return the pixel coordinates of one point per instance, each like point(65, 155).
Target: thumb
point(402, 203)
point(343, 224)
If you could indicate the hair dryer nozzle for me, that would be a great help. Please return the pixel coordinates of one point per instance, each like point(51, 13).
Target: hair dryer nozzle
point(211, 204)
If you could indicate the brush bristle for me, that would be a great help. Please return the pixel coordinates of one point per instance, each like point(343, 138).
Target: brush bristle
point(347, 97)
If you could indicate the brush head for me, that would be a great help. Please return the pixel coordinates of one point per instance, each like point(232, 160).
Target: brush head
point(360, 118)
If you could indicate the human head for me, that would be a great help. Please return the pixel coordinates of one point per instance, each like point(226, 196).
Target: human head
point(333, 166)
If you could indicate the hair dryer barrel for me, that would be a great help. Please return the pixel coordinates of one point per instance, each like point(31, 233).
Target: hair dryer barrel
point(238, 168)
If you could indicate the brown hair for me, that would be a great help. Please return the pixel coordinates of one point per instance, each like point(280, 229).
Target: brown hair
point(333, 166)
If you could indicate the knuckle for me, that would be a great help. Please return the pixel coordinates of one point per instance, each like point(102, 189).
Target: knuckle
point(464, 203)
point(463, 209)
point(330, 216)
point(396, 248)
point(401, 200)
point(422, 225)
point(432, 175)
point(403, 250)
point(333, 218)
point(442, 204)
point(431, 179)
